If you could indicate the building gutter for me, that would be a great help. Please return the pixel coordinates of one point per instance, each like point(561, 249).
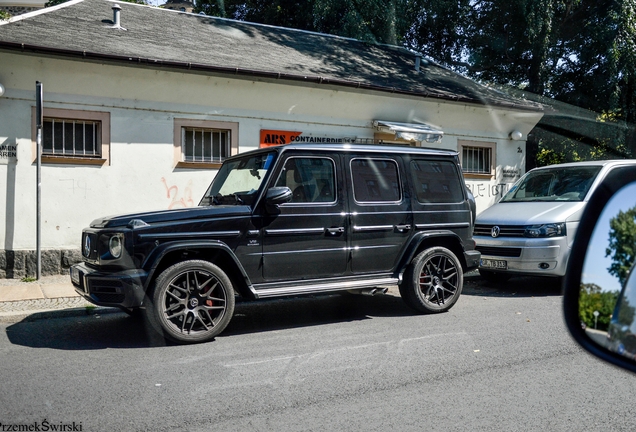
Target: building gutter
point(140, 61)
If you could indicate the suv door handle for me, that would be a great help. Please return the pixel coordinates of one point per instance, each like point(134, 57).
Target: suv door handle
point(402, 228)
point(334, 231)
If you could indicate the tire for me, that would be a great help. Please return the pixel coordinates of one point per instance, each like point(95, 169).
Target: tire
point(433, 281)
point(494, 277)
point(191, 302)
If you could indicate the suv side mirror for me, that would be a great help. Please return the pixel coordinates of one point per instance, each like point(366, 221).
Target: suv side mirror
point(600, 284)
point(277, 195)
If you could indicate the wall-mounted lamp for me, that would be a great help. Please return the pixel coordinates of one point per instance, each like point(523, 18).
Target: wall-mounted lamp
point(1, 90)
point(515, 135)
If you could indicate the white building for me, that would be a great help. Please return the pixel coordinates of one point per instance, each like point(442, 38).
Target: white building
point(127, 88)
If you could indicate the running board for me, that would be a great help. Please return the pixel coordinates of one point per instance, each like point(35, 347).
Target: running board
point(285, 290)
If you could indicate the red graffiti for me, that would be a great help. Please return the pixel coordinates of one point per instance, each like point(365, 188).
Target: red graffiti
point(172, 193)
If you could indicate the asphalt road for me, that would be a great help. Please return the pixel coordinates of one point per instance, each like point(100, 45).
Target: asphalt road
point(500, 360)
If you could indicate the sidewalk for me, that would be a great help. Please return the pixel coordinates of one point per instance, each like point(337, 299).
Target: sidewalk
point(20, 299)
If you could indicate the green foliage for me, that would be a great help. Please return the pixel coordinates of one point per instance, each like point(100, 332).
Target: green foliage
point(4, 16)
point(622, 243)
point(593, 298)
point(582, 52)
point(367, 20)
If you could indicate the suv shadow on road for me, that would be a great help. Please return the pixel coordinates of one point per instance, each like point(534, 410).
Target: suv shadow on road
point(111, 328)
point(521, 286)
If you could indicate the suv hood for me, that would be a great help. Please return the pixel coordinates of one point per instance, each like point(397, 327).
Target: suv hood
point(219, 211)
point(531, 213)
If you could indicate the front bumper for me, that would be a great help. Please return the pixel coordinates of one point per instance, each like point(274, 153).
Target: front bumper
point(472, 259)
point(123, 289)
point(529, 256)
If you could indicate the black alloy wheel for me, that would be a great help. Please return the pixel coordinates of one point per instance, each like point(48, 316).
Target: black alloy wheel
point(433, 281)
point(193, 301)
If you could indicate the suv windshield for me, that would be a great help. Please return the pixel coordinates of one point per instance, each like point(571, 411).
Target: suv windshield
point(562, 184)
point(238, 180)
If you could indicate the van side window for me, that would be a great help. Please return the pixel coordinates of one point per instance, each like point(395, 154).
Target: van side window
point(436, 181)
point(375, 180)
point(311, 179)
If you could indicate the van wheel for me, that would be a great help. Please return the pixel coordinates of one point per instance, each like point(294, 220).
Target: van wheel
point(494, 277)
point(192, 301)
point(433, 281)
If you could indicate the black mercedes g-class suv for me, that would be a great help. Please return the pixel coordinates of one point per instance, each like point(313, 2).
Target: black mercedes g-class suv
point(285, 221)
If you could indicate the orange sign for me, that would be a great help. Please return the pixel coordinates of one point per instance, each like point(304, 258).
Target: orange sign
point(276, 137)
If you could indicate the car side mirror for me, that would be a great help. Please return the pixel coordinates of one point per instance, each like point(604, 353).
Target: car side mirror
point(276, 196)
point(599, 298)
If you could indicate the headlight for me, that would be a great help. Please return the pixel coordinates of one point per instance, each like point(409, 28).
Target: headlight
point(547, 230)
point(115, 245)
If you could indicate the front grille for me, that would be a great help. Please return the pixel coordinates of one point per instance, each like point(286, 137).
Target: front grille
point(89, 246)
point(109, 298)
point(500, 251)
point(505, 230)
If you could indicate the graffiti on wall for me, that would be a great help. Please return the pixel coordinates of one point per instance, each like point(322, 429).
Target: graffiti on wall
point(177, 199)
point(488, 190)
point(74, 187)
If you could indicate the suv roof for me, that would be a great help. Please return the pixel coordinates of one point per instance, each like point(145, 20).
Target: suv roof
point(344, 147)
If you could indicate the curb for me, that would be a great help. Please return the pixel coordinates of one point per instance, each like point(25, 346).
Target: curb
point(48, 311)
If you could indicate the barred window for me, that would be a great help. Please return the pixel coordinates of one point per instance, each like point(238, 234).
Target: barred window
point(69, 137)
point(205, 145)
point(73, 136)
point(477, 158)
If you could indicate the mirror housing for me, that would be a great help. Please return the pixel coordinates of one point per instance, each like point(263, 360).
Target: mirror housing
point(276, 196)
point(611, 184)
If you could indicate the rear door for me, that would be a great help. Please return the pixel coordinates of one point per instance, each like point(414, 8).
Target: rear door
point(380, 212)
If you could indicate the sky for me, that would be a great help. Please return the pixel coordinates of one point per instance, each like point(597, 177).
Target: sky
point(596, 264)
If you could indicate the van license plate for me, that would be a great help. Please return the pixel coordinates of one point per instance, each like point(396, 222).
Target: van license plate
point(494, 264)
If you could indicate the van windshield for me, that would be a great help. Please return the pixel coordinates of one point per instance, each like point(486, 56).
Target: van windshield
point(559, 184)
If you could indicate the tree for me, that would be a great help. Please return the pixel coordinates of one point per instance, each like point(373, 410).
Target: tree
point(581, 52)
point(622, 243)
point(366, 20)
point(593, 298)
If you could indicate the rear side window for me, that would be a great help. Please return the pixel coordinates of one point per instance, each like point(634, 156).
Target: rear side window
point(436, 181)
point(375, 180)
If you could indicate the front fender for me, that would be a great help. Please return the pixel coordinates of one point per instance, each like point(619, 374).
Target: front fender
point(155, 258)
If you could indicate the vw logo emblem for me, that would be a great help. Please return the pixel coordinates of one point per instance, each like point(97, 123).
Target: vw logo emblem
point(87, 246)
point(494, 232)
point(194, 302)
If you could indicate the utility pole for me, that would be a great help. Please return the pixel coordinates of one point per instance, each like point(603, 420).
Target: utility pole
point(39, 121)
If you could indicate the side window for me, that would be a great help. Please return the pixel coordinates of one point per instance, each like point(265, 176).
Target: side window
point(74, 137)
point(204, 143)
point(311, 179)
point(436, 181)
point(375, 180)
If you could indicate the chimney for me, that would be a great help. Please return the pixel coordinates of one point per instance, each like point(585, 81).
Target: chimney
point(418, 60)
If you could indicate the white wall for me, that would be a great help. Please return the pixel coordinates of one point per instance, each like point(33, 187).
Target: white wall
point(143, 104)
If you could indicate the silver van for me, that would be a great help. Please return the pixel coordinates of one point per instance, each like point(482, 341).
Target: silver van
point(531, 229)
